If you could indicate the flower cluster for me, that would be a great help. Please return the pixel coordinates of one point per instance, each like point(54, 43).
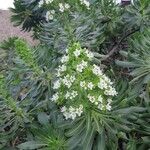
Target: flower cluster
point(71, 112)
point(63, 7)
point(86, 3)
point(81, 66)
point(41, 2)
point(68, 80)
point(81, 85)
point(60, 7)
point(60, 70)
point(50, 15)
point(71, 95)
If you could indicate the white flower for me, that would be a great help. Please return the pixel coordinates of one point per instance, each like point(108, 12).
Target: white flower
point(101, 106)
point(72, 79)
point(57, 84)
point(79, 110)
point(89, 54)
point(55, 97)
point(84, 63)
point(73, 115)
point(61, 7)
point(91, 98)
point(71, 109)
point(102, 84)
point(68, 80)
point(49, 1)
point(66, 50)
point(100, 99)
point(86, 3)
point(58, 74)
point(67, 6)
point(110, 91)
point(67, 95)
point(60, 70)
point(83, 84)
point(52, 12)
point(63, 68)
point(74, 94)
point(107, 79)
point(49, 15)
point(77, 52)
point(108, 107)
point(67, 115)
point(79, 68)
point(65, 59)
point(109, 101)
point(96, 70)
point(90, 85)
point(63, 109)
point(72, 112)
point(41, 2)
point(68, 83)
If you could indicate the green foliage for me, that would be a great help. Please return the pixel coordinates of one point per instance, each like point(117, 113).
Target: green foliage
point(31, 120)
point(8, 44)
point(46, 138)
point(138, 60)
point(26, 15)
point(12, 118)
point(25, 54)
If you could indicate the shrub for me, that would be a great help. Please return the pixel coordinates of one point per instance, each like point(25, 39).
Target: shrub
point(60, 94)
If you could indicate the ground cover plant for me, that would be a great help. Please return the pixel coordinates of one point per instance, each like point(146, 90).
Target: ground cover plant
point(86, 86)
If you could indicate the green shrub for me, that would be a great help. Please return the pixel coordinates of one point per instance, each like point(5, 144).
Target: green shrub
point(41, 91)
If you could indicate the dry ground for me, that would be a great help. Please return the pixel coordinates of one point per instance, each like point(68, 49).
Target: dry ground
point(8, 30)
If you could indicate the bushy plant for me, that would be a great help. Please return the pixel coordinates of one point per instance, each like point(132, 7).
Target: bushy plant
point(81, 85)
point(68, 93)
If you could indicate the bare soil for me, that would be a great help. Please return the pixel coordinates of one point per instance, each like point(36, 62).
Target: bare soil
point(8, 30)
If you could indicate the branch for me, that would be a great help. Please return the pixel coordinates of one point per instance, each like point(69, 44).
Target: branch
point(115, 47)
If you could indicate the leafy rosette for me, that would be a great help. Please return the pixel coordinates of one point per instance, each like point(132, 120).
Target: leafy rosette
point(80, 85)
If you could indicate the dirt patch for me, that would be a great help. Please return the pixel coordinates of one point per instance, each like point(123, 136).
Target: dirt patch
point(8, 30)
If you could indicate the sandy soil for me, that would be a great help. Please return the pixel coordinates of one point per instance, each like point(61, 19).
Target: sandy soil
point(8, 30)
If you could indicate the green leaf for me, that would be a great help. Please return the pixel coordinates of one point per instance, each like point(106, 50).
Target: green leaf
point(43, 118)
point(31, 145)
point(101, 141)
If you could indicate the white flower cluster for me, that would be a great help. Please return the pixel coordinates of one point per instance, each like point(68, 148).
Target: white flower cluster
point(86, 86)
point(68, 80)
point(50, 15)
point(86, 3)
point(63, 7)
point(100, 102)
point(72, 113)
point(57, 84)
point(89, 54)
point(96, 70)
point(60, 70)
point(55, 97)
point(41, 2)
point(80, 82)
point(71, 95)
point(106, 85)
point(81, 66)
point(83, 84)
point(77, 53)
point(65, 59)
